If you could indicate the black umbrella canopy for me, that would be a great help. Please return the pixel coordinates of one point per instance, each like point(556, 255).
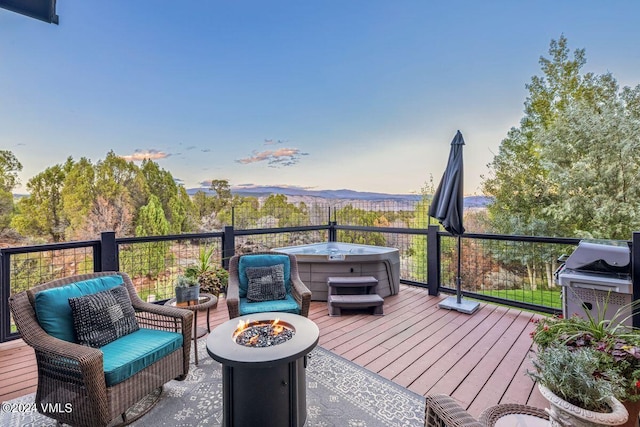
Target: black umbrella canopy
point(448, 200)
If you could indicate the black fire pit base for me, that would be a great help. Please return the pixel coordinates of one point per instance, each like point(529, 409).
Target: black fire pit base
point(274, 396)
point(264, 386)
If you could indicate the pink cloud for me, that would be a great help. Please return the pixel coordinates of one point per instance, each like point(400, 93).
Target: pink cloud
point(140, 155)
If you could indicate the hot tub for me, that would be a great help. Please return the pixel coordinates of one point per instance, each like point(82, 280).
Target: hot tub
point(318, 261)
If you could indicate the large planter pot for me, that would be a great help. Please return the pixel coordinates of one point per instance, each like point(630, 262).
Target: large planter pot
point(563, 413)
point(633, 408)
point(191, 293)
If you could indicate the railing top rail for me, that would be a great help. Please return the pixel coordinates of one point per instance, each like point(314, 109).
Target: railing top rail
point(190, 236)
point(49, 247)
point(251, 231)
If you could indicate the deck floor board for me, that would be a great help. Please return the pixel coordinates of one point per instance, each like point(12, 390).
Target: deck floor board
point(479, 359)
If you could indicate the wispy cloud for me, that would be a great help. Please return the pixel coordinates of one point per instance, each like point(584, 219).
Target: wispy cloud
point(275, 158)
point(271, 141)
point(140, 155)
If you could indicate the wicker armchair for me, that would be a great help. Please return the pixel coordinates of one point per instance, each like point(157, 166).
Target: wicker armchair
point(444, 411)
point(70, 373)
point(299, 291)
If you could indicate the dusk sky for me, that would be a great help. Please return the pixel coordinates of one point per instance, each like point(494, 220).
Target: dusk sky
point(365, 95)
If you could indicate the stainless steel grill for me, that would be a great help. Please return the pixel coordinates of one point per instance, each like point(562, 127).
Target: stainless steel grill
point(597, 275)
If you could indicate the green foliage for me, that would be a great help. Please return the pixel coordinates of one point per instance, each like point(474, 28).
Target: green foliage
point(592, 153)
point(42, 213)
point(78, 195)
point(569, 169)
point(539, 297)
point(152, 222)
point(349, 215)
point(9, 169)
point(617, 345)
point(581, 377)
point(285, 214)
point(213, 281)
point(183, 281)
point(203, 263)
point(222, 190)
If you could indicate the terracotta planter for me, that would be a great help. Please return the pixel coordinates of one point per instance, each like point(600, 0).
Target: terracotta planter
point(633, 408)
point(563, 413)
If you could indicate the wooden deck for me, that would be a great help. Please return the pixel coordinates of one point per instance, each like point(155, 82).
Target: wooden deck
point(479, 359)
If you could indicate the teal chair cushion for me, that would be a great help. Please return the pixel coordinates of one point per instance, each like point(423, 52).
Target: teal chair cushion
point(287, 305)
point(262, 260)
point(131, 353)
point(53, 309)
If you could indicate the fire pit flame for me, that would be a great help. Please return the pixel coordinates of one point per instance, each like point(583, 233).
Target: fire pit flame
point(263, 333)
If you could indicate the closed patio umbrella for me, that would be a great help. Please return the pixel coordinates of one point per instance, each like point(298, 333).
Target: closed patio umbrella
point(447, 207)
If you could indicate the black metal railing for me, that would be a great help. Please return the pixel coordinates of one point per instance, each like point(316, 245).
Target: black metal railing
point(511, 270)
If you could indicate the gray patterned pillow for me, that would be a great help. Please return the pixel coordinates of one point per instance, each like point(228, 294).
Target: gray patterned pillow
point(266, 283)
point(103, 317)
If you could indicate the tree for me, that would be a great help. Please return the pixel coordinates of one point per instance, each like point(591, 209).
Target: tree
point(181, 212)
point(119, 181)
point(151, 257)
point(570, 168)
point(222, 190)
point(287, 214)
point(9, 168)
point(78, 195)
point(107, 216)
point(151, 220)
point(592, 152)
point(42, 213)
point(518, 181)
point(161, 184)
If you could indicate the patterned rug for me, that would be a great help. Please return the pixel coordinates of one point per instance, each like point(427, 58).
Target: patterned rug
point(339, 393)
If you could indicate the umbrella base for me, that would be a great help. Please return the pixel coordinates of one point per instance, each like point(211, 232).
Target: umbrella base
point(466, 307)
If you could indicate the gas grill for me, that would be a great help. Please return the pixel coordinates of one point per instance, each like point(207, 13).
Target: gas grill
point(595, 274)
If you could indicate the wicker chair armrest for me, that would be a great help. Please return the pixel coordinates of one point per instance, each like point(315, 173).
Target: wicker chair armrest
point(302, 295)
point(490, 416)
point(233, 297)
point(444, 411)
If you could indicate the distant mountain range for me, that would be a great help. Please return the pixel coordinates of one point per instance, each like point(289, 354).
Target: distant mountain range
point(300, 194)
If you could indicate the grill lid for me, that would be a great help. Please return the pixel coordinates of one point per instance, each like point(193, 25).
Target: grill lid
point(601, 256)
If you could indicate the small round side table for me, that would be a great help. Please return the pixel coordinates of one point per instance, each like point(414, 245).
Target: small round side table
point(514, 415)
point(205, 302)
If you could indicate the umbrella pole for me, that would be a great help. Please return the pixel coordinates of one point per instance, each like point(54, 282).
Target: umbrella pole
point(458, 278)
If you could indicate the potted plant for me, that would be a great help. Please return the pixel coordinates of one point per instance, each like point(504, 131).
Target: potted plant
point(214, 281)
point(202, 264)
point(212, 278)
point(579, 385)
point(616, 345)
point(187, 289)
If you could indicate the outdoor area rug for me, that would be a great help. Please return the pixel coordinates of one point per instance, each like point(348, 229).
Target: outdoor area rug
point(339, 393)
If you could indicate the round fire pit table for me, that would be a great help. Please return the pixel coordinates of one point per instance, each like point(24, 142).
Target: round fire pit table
point(264, 386)
point(205, 302)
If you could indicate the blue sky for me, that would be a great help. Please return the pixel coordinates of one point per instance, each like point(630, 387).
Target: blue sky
point(365, 95)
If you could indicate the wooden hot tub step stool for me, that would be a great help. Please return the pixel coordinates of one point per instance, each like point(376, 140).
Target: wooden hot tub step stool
point(359, 292)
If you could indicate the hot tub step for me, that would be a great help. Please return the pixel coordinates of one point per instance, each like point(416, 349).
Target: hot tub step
point(338, 302)
point(353, 292)
point(352, 281)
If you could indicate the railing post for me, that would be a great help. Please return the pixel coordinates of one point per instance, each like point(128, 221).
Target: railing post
point(333, 233)
point(228, 245)
point(5, 292)
point(635, 275)
point(433, 259)
point(108, 252)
